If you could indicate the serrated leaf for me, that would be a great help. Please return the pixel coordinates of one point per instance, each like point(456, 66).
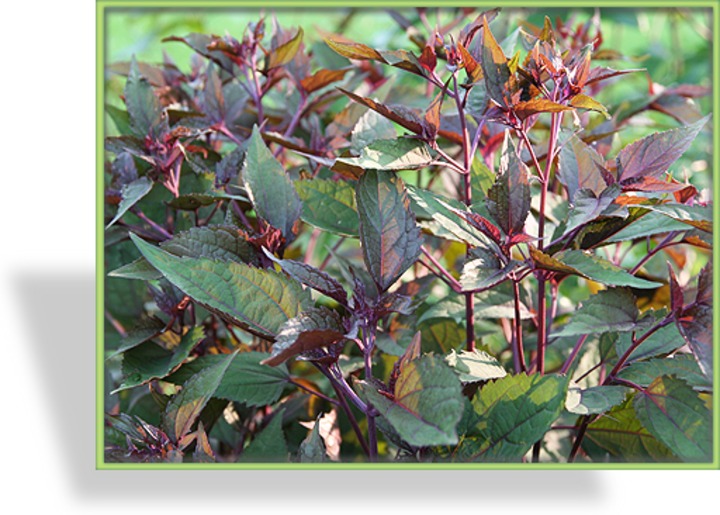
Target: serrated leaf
point(270, 189)
point(146, 113)
point(247, 381)
point(131, 195)
point(427, 403)
point(587, 206)
point(269, 445)
point(623, 436)
point(485, 272)
point(184, 408)
point(149, 361)
point(329, 205)
point(446, 222)
point(475, 366)
point(683, 366)
point(602, 271)
point(284, 53)
point(700, 217)
point(389, 236)
point(662, 341)
point(310, 330)
point(581, 167)
point(649, 224)
point(510, 415)
point(219, 242)
point(609, 310)
point(594, 400)
point(652, 156)
point(672, 411)
point(508, 200)
point(392, 155)
point(142, 332)
point(313, 277)
point(260, 301)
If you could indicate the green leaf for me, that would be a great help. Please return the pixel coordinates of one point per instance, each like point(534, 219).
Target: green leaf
point(649, 225)
point(441, 335)
point(392, 155)
point(269, 445)
point(508, 200)
point(131, 195)
point(218, 242)
point(149, 361)
point(371, 127)
point(510, 415)
point(389, 236)
point(663, 341)
point(184, 408)
point(481, 179)
point(144, 331)
point(475, 366)
point(445, 222)
point(312, 329)
point(329, 205)
point(652, 156)
point(270, 189)
point(247, 381)
point(623, 436)
point(484, 272)
point(700, 217)
point(284, 53)
point(683, 366)
point(672, 411)
point(600, 270)
point(608, 310)
point(312, 449)
point(595, 400)
point(138, 269)
point(146, 113)
point(427, 404)
point(260, 301)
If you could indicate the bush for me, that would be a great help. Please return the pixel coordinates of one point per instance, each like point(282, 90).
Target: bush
point(473, 249)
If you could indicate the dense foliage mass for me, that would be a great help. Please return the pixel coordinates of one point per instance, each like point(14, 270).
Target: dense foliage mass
point(444, 253)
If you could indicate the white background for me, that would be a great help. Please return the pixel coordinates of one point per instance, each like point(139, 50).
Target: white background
point(48, 330)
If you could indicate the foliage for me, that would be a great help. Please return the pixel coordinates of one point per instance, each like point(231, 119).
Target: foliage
point(457, 251)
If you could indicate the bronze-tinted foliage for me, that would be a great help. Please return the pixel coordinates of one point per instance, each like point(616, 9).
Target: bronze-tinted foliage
point(435, 253)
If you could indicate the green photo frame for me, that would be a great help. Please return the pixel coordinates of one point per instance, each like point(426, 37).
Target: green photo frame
point(391, 158)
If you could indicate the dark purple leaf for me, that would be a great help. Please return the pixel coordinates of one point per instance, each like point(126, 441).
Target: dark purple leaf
point(652, 156)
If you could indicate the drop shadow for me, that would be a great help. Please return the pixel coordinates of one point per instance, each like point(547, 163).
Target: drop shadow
point(62, 343)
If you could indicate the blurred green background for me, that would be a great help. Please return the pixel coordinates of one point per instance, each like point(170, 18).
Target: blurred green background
point(673, 45)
